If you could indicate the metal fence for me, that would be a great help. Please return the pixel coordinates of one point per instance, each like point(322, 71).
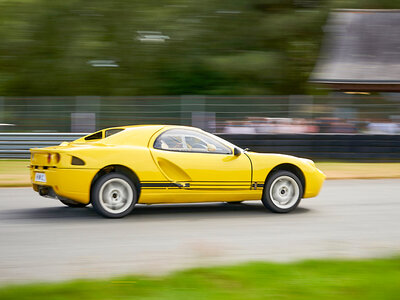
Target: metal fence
point(231, 114)
point(325, 146)
point(17, 145)
point(353, 147)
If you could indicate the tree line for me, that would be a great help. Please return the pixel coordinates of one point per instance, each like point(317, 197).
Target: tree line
point(172, 47)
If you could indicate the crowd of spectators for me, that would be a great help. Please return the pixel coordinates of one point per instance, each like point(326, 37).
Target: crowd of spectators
point(254, 125)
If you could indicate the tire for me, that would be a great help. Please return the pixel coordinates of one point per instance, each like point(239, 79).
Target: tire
point(282, 192)
point(114, 195)
point(71, 203)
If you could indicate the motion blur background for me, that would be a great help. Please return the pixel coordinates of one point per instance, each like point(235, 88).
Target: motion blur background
point(313, 78)
point(233, 67)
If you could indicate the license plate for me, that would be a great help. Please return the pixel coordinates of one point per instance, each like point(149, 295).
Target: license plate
point(40, 177)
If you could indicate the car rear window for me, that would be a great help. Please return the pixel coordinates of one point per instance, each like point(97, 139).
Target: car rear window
point(99, 134)
point(110, 132)
point(95, 136)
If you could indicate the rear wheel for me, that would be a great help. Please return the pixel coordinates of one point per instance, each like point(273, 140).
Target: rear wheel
point(114, 195)
point(282, 192)
point(71, 203)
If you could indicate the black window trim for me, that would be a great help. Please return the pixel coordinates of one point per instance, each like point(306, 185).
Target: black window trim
point(94, 136)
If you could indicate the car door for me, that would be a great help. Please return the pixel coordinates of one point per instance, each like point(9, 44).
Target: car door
point(195, 160)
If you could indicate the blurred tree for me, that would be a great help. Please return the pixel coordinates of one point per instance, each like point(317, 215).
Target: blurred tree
point(123, 47)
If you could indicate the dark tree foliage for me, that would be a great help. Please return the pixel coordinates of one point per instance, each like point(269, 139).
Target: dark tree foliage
point(125, 47)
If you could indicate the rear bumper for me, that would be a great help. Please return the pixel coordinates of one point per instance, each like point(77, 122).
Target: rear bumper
point(73, 184)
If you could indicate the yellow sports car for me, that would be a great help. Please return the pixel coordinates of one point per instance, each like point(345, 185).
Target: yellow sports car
point(115, 168)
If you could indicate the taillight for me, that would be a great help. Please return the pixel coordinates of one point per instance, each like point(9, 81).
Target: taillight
point(55, 157)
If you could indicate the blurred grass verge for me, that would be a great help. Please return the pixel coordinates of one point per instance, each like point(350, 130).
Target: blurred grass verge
point(15, 173)
point(312, 279)
point(346, 170)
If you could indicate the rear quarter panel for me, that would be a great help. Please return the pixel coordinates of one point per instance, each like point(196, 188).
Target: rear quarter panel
point(138, 159)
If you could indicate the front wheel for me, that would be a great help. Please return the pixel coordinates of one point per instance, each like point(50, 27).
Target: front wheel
point(114, 195)
point(282, 192)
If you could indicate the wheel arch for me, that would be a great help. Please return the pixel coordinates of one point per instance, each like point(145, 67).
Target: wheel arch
point(290, 168)
point(117, 169)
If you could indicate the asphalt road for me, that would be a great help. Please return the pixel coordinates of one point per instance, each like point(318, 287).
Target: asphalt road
point(40, 239)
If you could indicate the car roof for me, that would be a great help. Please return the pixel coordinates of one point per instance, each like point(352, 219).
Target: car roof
point(138, 135)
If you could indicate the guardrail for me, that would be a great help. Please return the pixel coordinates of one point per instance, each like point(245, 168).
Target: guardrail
point(327, 146)
point(17, 145)
point(315, 146)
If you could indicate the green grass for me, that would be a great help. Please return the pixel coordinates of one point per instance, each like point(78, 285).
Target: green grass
point(316, 279)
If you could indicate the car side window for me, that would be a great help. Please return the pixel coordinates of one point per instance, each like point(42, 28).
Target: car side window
point(171, 142)
point(189, 141)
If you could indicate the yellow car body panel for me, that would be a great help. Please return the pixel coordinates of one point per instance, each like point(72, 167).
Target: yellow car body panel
point(164, 176)
point(68, 183)
point(264, 163)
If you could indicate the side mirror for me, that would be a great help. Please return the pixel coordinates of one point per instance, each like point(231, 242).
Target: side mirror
point(236, 152)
